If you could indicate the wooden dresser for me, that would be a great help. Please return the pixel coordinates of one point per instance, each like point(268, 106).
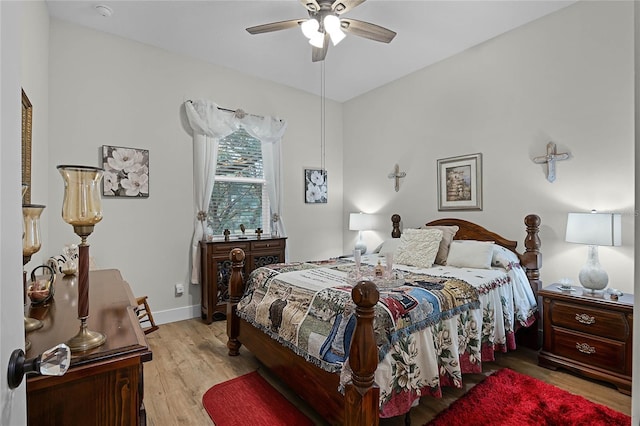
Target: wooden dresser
point(590, 335)
point(103, 386)
point(215, 269)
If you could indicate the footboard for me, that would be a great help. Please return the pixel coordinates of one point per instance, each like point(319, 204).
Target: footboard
point(359, 406)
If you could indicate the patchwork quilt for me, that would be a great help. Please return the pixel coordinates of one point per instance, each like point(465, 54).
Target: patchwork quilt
point(430, 328)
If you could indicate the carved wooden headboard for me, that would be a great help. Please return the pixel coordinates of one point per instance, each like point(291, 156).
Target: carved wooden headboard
point(530, 259)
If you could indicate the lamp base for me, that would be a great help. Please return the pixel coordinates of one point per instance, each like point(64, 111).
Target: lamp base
point(31, 324)
point(360, 245)
point(592, 276)
point(85, 339)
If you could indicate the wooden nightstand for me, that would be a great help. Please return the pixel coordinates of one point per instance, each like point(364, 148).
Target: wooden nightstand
point(215, 269)
point(590, 335)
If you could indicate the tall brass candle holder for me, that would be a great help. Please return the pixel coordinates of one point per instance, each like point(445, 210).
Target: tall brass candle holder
point(82, 208)
point(31, 244)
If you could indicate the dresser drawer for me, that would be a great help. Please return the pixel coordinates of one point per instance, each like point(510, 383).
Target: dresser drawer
point(594, 351)
point(267, 245)
point(610, 324)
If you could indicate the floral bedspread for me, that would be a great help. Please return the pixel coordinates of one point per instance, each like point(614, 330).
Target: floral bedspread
point(441, 323)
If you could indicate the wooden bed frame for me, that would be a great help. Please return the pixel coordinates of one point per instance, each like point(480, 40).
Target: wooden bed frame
point(359, 405)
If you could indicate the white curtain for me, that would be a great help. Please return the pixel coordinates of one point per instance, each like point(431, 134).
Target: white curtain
point(210, 124)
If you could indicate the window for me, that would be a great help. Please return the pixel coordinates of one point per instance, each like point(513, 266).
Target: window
point(239, 193)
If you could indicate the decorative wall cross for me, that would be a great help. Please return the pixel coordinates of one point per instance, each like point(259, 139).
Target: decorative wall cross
point(397, 174)
point(550, 160)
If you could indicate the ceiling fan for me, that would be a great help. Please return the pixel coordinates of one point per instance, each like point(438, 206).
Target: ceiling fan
point(325, 23)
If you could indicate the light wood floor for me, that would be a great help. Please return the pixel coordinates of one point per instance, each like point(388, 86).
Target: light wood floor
point(189, 357)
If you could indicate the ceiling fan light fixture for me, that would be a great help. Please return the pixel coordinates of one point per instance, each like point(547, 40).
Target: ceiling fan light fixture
point(310, 28)
point(333, 26)
point(331, 23)
point(317, 40)
point(337, 36)
point(324, 23)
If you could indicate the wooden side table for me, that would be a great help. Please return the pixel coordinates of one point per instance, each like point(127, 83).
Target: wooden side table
point(215, 269)
point(588, 334)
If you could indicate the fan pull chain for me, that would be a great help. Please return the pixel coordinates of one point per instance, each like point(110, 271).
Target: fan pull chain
point(323, 112)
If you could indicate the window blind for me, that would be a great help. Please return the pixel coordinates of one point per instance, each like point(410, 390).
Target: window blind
point(239, 193)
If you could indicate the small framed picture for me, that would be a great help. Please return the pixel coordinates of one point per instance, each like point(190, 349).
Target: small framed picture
point(460, 183)
point(315, 186)
point(126, 172)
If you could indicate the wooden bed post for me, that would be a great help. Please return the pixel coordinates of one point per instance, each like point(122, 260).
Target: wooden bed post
point(362, 394)
point(236, 286)
point(395, 220)
point(532, 258)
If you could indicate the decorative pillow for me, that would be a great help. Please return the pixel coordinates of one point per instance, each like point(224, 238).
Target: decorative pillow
point(389, 246)
point(418, 247)
point(448, 232)
point(470, 254)
point(503, 257)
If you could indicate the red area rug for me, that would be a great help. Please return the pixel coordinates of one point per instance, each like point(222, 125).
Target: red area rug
point(250, 400)
point(510, 398)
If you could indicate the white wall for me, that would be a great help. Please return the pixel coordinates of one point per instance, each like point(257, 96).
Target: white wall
point(566, 78)
point(105, 90)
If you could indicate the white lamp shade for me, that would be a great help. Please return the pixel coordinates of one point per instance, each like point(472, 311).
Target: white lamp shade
point(361, 221)
point(317, 40)
point(310, 27)
point(598, 229)
point(331, 23)
point(332, 26)
point(337, 36)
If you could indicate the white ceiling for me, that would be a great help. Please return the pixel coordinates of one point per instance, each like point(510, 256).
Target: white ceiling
point(214, 31)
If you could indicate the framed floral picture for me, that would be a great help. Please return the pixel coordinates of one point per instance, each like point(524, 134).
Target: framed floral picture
point(460, 183)
point(126, 172)
point(315, 186)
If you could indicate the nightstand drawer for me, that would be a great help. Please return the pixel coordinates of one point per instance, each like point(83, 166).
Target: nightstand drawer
point(267, 244)
point(604, 353)
point(610, 324)
point(226, 247)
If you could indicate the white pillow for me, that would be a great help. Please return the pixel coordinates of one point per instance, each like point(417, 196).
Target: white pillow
point(389, 246)
point(448, 232)
point(418, 247)
point(470, 254)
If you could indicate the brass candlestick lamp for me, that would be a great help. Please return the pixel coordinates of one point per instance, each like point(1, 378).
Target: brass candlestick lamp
point(82, 208)
point(31, 244)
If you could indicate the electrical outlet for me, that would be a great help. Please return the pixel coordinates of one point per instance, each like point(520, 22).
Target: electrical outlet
point(179, 289)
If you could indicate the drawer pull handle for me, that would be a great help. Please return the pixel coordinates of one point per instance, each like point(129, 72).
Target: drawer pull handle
point(585, 319)
point(585, 349)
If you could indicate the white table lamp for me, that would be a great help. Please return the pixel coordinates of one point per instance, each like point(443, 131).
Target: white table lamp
point(594, 229)
point(361, 222)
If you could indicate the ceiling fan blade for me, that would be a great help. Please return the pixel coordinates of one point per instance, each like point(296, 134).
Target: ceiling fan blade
point(310, 5)
point(275, 26)
point(343, 6)
point(319, 53)
point(367, 30)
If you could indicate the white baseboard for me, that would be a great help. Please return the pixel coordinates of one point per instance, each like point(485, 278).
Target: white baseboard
point(179, 314)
